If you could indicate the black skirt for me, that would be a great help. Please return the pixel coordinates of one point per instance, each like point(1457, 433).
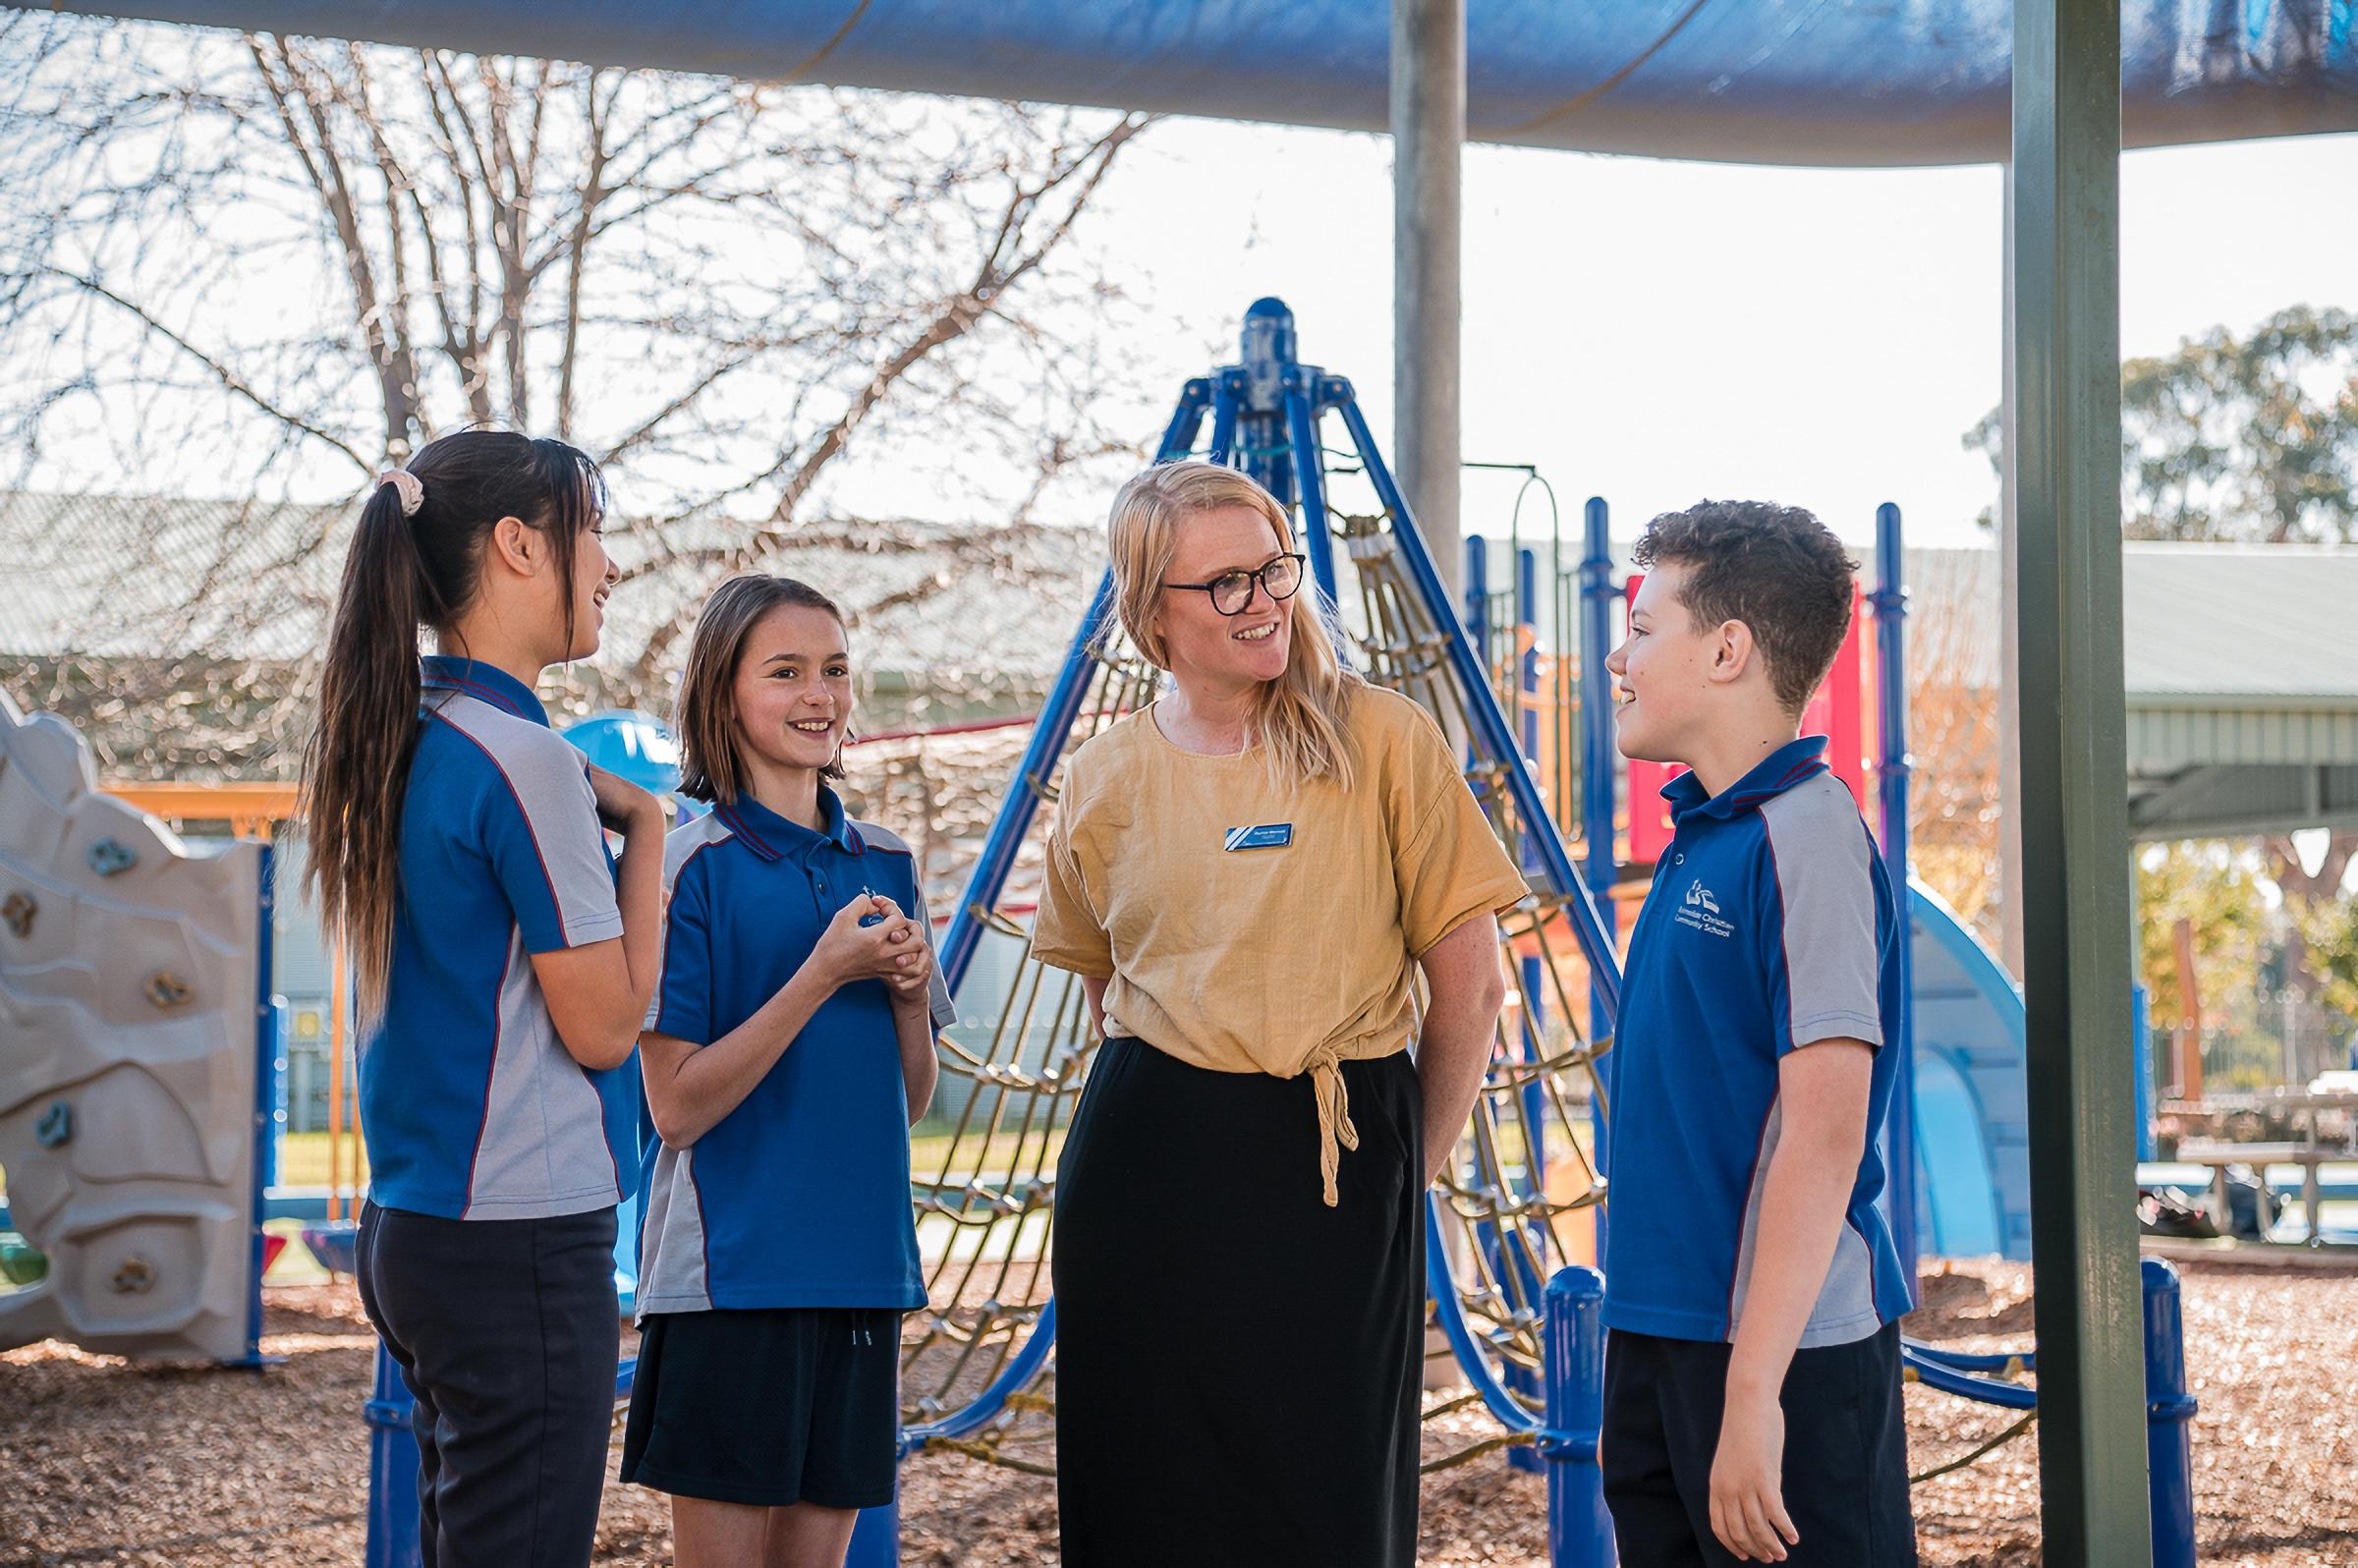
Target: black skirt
point(1237, 1364)
point(767, 1406)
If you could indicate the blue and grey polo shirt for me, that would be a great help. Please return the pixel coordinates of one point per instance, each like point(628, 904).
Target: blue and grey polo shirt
point(799, 1195)
point(470, 1104)
point(1770, 926)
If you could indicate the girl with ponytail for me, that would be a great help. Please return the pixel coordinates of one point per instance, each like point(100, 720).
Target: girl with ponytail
point(505, 962)
point(1255, 876)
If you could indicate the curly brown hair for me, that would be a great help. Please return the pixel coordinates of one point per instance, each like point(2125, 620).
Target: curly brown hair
point(1776, 569)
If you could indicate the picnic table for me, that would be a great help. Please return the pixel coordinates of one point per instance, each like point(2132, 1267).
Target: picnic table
point(2219, 1154)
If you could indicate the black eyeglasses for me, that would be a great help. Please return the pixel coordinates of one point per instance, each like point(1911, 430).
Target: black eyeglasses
point(1231, 591)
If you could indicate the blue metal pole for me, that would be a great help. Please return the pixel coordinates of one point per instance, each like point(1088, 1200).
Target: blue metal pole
point(1476, 612)
point(1527, 668)
point(2168, 1410)
point(1317, 537)
point(1525, 1260)
point(1224, 389)
point(1535, 1100)
point(1535, 1001)
point(2141, 1053)
point(392, 1470)
point(1265, 359)
point(269, 1051)
point(1580, 1532)
point(877, 1538)
point(1487, 723)
point(1890, 604)
point(1598, 772)
point(1187, 419)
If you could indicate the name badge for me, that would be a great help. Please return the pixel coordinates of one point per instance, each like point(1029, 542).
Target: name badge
point(1268, 835)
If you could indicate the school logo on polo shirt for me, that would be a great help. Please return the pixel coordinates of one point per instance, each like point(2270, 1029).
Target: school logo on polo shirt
point(1701, 911)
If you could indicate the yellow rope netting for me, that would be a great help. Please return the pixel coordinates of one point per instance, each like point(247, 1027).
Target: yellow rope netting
point(1516, 1199)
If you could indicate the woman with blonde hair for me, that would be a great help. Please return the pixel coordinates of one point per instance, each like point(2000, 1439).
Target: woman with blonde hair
point(1249, 875)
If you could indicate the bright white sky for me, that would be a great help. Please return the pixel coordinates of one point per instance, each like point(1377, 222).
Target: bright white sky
point(1656, 332)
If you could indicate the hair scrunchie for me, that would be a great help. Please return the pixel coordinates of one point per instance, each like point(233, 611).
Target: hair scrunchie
point(408, 487)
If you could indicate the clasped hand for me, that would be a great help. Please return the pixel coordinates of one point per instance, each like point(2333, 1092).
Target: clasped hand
point(892, 950)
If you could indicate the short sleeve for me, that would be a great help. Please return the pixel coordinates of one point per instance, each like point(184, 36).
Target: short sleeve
point(1068, 932)
point(1820, 943)
point(541, 835)
point(937, 990)
point(1446, 861)
point(683, 1005)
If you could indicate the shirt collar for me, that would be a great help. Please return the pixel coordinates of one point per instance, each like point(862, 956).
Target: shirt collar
point(1771, 776)
point(771, 836)
point(485, 684)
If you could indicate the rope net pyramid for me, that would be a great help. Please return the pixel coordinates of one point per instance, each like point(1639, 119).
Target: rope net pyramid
point(1511, 1208)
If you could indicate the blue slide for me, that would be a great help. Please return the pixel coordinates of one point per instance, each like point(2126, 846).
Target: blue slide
point(1973, 1193)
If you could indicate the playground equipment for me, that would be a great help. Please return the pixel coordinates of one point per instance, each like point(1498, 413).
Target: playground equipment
point(1510, 1212)
point(137, 1079)
point(172, 1220)
point(1509, 1240)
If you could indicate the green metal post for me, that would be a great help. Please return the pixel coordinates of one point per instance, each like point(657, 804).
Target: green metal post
point(2074, 799)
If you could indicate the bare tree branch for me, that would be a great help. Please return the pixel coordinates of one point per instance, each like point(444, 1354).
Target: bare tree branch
point(229, 379)
point(754, 303)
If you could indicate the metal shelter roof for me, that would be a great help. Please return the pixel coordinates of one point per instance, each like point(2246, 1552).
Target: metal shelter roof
point(2241, 668)
point(1844, 82)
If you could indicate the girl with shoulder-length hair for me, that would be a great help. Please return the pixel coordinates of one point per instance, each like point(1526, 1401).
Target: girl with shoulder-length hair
point(1251, 875)
point(505, 962)
point(791, 1046)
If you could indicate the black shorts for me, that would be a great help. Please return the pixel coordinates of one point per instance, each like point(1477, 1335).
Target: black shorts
point(1847, 1452)
point(771, 1406)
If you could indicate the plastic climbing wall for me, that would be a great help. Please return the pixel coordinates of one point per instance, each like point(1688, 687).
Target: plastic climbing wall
point(130, 980)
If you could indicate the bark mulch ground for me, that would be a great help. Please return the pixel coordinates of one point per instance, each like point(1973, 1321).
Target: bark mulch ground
point(104, 1461)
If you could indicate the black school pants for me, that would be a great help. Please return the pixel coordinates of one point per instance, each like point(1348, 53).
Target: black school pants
point(1847, 1452)
point(507, 1333)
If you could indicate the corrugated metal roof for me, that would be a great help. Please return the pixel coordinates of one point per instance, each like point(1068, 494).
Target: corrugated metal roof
point(142, 577)
point(2207, 626)
point(2240, 624)
point(128, 577)
point(2234, 653)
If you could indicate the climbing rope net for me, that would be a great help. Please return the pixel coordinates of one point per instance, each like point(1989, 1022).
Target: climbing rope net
point(1513, 1205)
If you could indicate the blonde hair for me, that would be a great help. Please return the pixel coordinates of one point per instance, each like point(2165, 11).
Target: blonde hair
point(1300, 718)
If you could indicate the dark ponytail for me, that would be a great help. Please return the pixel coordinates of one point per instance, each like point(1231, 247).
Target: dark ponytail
point(406, 572)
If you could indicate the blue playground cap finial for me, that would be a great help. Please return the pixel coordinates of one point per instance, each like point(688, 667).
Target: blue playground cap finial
point(1268, 335)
